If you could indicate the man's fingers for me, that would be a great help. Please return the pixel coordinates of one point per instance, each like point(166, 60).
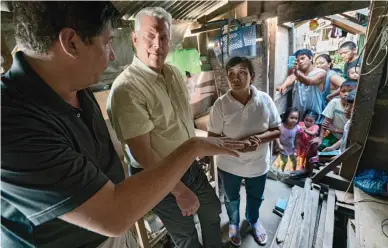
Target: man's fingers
point(234, 145)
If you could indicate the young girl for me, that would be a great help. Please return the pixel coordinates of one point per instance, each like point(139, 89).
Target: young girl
point(286, 141)
point(308, 131)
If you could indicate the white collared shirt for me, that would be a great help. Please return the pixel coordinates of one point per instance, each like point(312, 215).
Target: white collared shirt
point(232, 119)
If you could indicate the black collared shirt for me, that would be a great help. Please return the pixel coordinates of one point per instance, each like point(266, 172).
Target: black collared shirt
point(53, 158)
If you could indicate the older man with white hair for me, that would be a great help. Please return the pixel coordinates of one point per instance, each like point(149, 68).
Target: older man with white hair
point(150, 111)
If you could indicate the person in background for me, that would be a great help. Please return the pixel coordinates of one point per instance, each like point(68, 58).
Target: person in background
point(247, 114)
point(309, 84)
point(307, 132)
point(335, 119)
point(354, 73)
point(348, 53)
point(62, 182)
point(353, 76)
point(150, 111)
point(333, 80)
point(286, 142)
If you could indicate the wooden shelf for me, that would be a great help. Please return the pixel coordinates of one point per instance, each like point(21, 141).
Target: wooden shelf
point(369, 215)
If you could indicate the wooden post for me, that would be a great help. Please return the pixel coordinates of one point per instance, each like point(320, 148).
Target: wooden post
point(337, 161)
point(367, 90)
point(142, 234)
point(272, 29)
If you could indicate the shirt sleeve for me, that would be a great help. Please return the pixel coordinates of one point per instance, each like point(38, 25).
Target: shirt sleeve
point(216, 119)
point(329, 110)
point(128, 112)
point(42, 175)
point(274, 117)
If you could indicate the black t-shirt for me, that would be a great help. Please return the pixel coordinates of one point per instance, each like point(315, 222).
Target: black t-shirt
point(348, 65)
point(54, 158)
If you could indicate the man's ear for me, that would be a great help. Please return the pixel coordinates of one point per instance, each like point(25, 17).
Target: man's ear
point(70, 42)
point(134, 38)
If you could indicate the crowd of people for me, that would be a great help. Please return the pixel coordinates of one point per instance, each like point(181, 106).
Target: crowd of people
point(63, 184)
point(322, 95)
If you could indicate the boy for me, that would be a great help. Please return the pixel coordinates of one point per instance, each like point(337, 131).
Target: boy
point(335, 119)
point(341, 144)
point(348, 53)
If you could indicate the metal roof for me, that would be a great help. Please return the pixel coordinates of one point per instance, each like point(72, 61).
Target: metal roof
point(180, 10)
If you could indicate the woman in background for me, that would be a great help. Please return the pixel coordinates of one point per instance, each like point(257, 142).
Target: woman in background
point(333, 80)
point(247, 114)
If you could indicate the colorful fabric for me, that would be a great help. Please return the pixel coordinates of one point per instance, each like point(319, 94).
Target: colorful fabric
point(328, 141)
point(304, 138)
point(287, 139)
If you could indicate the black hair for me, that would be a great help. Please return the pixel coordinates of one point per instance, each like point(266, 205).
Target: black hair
point(311, 113)
point(349, 44)
point(351, 96)
point(349, 83)
point(287, 114)
point(306, 52)
point(241, 60)
point(38, 23)
point(327, 58)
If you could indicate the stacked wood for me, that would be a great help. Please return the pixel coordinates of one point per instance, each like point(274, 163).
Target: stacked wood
point(308, 220)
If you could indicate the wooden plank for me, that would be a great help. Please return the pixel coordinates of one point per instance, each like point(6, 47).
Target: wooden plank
point(344, 197)
point(299, 11)
point(329, 222)
point(367, 90)
point(336, 182)
point(337, 161)
point(142, 234)
point(304, 236)
point(369, 215)
point(288, 213)
point(293, 229)
point(318, 236)
point(314, 209)
point(347, 25)
point(298, 223)
point(351, 235)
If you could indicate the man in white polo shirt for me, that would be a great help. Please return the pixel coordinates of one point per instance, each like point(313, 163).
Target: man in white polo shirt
point(150, 112)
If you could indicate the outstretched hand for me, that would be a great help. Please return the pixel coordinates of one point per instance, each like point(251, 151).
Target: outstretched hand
point(216, 146)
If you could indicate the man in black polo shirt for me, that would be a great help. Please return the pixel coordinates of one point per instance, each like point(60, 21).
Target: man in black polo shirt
point(348, 52)
point(62, 182)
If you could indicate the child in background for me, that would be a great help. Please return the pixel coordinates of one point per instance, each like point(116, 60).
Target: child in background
point(307, 132)
point(353, 76)
point(335, 119)
point(286, 141)
point(354, 73)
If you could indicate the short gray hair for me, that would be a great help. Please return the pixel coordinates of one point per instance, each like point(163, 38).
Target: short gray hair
point(157, 12)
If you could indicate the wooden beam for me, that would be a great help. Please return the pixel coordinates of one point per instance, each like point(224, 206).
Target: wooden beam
point(272, 30)
point(329, 223)
point(219, 11)
point(142, 234)
point(367, 90)
point(351, 18)
point(299, 11)
point(337, 161)
point(347, 25)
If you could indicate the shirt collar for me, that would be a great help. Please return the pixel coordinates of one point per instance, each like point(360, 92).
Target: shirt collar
point(253, 91)
point(32, 86)
point(150, 74)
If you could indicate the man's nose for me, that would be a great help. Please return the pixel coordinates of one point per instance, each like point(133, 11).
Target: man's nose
point(112, 55)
